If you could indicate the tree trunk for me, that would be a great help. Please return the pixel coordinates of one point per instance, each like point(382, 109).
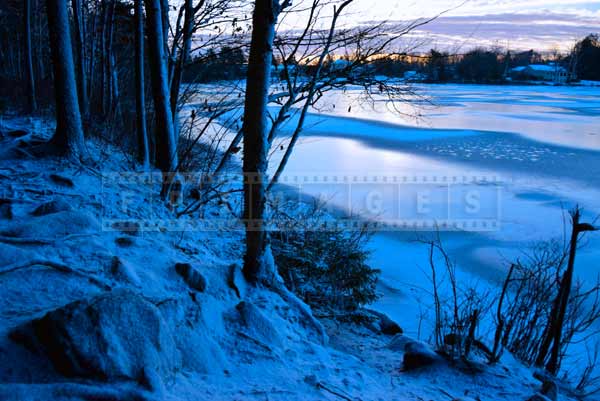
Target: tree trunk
point(164, 8)
point(258, 264)
point(103, 54)
point(69, 132)
point(31, 98)
point(140, 101)
point(110, 75)
point(563, 297)
point(92, 54)
point(554, 330)
point(166, 148)
point(79, 48)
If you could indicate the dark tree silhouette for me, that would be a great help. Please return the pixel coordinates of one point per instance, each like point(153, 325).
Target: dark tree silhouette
point(256, 141)
point(140, 101)
point(166, 145)
point(68, 137)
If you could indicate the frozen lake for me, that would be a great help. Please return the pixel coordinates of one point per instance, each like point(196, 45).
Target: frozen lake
point(524, 153)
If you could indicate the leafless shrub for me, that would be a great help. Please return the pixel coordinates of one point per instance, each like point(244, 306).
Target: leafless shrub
point(525, 305)
point(458, 314)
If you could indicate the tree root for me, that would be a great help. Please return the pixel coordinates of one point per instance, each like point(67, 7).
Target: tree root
point(280, 289)
point(40, 241)
point(53, 265)
point(322, 386)
point(25, 241)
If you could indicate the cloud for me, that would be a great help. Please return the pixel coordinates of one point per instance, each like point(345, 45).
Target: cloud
point(516, 31)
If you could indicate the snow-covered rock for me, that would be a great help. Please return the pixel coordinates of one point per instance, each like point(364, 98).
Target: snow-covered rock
point(416, 354)
point(55, 225)
point(384, 324)
point(115, 336)
point(192, 276)
point(54, 206)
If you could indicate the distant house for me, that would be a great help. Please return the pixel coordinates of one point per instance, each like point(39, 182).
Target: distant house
point(542, 72)
point(414, 76)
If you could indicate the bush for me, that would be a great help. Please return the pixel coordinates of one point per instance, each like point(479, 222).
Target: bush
point(327, 269)
point(458, 309)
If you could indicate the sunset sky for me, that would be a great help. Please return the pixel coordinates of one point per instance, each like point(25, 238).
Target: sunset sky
point(514, 24)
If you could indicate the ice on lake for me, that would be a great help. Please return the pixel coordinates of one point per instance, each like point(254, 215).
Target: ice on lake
point(539, 145)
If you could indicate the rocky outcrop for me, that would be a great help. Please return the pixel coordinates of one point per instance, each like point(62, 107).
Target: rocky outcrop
point(115, 336)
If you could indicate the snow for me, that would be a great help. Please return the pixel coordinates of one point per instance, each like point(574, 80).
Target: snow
point(546, 67)
point(264, 347)
point(538, 146)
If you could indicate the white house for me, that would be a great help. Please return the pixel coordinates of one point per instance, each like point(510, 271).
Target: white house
point(545, 72)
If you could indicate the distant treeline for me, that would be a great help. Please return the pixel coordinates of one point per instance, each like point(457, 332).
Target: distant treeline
point(479, 65)
point(483, 65)
point(227, 63)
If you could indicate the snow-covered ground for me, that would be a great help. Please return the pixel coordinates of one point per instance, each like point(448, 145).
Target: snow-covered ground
point(526, 153)
point(158, 335)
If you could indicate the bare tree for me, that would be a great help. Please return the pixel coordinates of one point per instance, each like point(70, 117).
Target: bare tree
point(258, 260)
point(166, 146)
point(318, 61)
point(69, 132)
point(312, 86)
point(80, 62)
point(140, 101)
point(31, 98)
point(556, 323)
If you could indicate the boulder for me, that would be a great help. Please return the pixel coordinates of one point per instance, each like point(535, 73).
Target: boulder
point(417, 354)
point(54, 206)
point(384, 324)
point(115, 336)
point(124, 242)
point(62, 180)
point(192, 276)
point(398, 342)
point(54, 225)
